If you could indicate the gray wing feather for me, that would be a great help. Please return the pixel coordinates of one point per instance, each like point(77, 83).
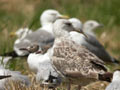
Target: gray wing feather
point(39, 37)
point(95, 47)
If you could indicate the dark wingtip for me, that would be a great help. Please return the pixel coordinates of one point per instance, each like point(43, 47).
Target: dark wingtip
point(116, 61)
point(106, 76)
point(4, 76)
point(12, 54)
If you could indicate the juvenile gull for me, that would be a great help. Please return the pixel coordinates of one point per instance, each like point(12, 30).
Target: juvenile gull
point(74, 63)
point(42, 36)
point(115, 84)
point(91, 43)
point(40, 64)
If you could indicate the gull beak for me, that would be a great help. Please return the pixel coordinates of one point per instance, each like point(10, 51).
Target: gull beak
point(38, 52)
point(63, 17)
point(81, 31)
point(4, 76)
point(12, 34)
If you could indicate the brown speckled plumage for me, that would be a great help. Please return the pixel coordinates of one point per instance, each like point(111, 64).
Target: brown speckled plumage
point(76, 62)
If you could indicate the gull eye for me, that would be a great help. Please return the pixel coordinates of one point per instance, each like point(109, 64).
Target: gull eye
point(91, 24)
point(68, 24)
point(53, 14)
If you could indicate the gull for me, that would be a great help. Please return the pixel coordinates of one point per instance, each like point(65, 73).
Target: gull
point(41, 65)
point(115, 84)
point(42, 36)
point(14, 76)
point(91, 25)
point(90, 42)
point(74, 63)
point(21, 34)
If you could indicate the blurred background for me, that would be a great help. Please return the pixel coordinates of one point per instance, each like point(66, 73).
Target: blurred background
point(15, 14)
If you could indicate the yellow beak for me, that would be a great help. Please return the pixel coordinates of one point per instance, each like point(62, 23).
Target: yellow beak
point(64, 17)
point(12, 34)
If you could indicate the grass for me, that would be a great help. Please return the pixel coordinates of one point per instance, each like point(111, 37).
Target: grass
point(26, 13)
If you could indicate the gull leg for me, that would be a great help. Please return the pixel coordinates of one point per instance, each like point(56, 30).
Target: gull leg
point(79, 87)
point(69, 86)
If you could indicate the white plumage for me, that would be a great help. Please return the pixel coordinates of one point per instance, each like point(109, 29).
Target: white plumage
point(90, 42)
point(41, 65)
point(15, 76)
point(115, 84)
point(43, 36)
point(21, 34)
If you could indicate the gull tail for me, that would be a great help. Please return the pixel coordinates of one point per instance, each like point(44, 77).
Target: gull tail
point(12, 53)
point(105, 77)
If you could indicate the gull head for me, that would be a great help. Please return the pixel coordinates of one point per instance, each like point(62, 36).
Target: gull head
point(62, 27)
point(50, 16)
point(76, 23)
point(21, 32)
point(32, 48)
point(91, 25)
point(116, 75)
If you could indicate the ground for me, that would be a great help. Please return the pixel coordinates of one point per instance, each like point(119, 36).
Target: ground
point(15, 14)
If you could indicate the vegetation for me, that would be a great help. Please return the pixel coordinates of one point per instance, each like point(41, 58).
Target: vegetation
point(15, 14)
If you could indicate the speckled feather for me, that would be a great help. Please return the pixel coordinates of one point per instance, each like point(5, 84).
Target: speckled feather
point(70, 58)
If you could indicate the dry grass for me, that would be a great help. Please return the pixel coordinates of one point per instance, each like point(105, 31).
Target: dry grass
point(20, 13)
point(11, 85)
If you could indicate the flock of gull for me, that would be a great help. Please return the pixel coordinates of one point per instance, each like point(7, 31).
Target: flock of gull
point(63, 50)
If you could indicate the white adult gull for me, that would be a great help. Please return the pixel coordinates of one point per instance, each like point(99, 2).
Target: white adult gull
point(13, 76)
point(42, 36)
point(21, 34)
point(90, 42)
point(74, 63)
point(115, 84)
point(90, 26)
point(41, 65)
point(47, 19)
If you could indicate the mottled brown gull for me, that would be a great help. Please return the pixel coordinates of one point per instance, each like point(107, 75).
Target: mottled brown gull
point(73, 62)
